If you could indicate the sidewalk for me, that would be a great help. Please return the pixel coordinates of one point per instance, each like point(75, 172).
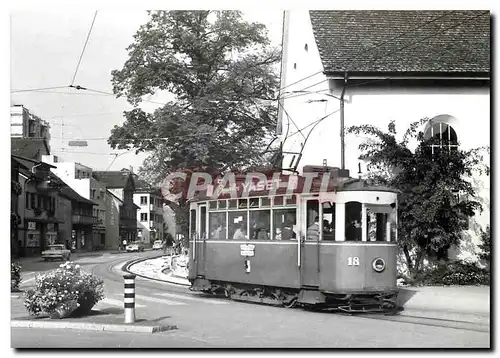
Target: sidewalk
point(464, 299)
point(106, 319)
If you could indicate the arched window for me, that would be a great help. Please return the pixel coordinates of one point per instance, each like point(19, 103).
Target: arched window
point(440, 129)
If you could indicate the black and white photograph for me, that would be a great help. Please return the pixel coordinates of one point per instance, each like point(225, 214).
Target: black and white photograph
point(262, 178)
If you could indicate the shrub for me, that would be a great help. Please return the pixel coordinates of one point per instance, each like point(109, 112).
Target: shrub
point(15, 276)
point(61, 288)
point(485, 246)
point(453, 273)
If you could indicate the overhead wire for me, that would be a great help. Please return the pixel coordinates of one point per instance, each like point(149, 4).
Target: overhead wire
point(378, 45)
point(290, 119)
point(83, 50)
point(386, 54)
point(37, 89)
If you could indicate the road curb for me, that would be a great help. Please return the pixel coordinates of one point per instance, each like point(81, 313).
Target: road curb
point(91, 326)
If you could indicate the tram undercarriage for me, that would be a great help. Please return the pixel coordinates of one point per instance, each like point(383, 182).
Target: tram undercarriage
point(376, 302)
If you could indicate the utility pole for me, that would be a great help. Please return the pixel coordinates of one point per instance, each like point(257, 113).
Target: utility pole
point(342, 131)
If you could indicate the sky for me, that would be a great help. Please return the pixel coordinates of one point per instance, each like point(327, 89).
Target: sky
point(45, 46)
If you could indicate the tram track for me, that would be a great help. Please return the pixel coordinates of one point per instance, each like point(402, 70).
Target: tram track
point(401, 317)
point(429, 321)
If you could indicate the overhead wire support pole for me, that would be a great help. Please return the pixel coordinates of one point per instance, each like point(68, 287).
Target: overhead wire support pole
point(342, 130)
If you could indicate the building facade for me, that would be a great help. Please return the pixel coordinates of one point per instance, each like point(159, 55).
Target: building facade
point(79, 178)
point(30, 135)
point(372, 67)
point(150, 222)
point(122, 186)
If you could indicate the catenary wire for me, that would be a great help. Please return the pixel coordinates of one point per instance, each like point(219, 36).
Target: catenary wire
point(83, 50)
point(37, 89)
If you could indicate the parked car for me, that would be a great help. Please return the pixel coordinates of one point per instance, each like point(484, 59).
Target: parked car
point(56, 252)
point(158, 245)
point(135, 246)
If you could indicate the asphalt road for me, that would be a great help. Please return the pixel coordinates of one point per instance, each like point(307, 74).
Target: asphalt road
point(207, 321)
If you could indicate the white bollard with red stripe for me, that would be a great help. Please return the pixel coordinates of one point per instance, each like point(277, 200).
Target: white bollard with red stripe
point(129, 298)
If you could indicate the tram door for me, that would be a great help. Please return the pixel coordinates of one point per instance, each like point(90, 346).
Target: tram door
point(311, 215)
point(202, 230)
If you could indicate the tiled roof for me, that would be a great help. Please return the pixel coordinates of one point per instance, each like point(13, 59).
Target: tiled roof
point(403, 41)
point(32, 148)
point(113, 179)
point(142, 186)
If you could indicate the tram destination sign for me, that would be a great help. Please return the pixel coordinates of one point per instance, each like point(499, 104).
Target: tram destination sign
point(247, 250)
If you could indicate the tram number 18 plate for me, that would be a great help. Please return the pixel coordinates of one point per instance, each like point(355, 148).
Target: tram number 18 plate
point(353, 261)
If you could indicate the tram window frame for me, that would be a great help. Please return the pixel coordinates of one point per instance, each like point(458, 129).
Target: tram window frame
point(253, 203)
point(312, 211)
point(231, 224)
point(286, 212)
point(279, 201)
point(291, 200)
point(203, 221)
point(222, 204)
point(242, 203)
point(384, 216)
point(252, 233)
point(328, 208)
point(221, 216)
point(193, 224)
point(353, 221)
point(265, 202)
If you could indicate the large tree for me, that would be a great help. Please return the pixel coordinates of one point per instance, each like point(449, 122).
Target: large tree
point(432, 216)
point(221, 72)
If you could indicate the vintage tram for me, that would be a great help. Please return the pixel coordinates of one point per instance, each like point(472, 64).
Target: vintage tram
point(326, 249)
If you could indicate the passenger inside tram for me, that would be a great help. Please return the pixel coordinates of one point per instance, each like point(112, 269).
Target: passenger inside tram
point(239, 234)
point(313, 230)
point(287, 233)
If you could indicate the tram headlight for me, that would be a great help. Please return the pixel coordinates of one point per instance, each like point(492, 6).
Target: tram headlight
point(378, 264)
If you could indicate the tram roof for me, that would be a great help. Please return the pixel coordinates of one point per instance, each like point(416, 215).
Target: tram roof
point(335, 184)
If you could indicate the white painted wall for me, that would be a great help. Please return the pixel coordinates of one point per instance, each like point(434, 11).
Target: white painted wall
point(469, 107)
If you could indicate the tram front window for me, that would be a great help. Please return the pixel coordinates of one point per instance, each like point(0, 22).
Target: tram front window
point(353, 221)
point(381, 223)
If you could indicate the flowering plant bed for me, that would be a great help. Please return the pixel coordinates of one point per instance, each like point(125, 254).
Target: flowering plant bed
point(64, 292)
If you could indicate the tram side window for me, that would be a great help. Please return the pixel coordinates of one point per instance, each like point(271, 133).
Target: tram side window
point(285, 224)
point(377, 224)
point(193, 224)
point(380, 218)
point(353, 221)
point(313, 220)
point(203, 222)
point(237, 225)
point(329, 221)
point(260, 224)
point(217, 226)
